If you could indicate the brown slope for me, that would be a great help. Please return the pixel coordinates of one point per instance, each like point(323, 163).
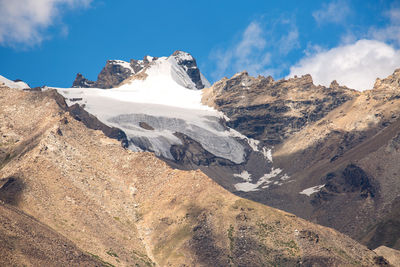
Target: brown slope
point(325, 136)
point(132, 209)
point(26, 242)
point(363, 132)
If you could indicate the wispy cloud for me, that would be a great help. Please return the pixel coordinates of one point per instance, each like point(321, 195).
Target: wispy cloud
point(333, 12)
point(26, 21)
point(390, 32)
point(248, 54)
point(355, 65)
point(256, 50)
point(289, 41)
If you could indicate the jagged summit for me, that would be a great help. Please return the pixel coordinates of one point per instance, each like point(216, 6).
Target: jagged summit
point(391, 82)
point(180, 67)
point(257, 105)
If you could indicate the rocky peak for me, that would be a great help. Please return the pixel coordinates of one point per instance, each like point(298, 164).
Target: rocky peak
point(82, 82)
point(303, 81)
point(188, 63)
point(391, 83)
point(139, 65)
point(114, 72)
point(334, 84)
point(269, 79)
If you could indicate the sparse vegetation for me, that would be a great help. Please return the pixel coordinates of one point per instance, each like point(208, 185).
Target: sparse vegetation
point(106, 264)
point(111, 253)
point(144, 258)
point(231, 231)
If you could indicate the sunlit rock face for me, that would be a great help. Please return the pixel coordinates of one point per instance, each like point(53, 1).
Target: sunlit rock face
point(270, 111)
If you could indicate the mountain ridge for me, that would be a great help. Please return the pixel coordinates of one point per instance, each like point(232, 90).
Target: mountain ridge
point(117, 71)
point(131, 208)
point(307, 131)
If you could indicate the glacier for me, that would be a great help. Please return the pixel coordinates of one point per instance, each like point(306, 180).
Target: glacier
point(166, 100)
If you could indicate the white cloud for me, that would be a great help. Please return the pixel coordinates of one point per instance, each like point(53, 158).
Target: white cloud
point(253, 52)
point(355, 65)
point(334, 12)
point(25, 21)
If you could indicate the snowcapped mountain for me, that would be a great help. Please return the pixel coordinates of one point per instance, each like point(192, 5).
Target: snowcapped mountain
point(18, 84)
point(284, 143)
point(180, 66)
point(300, 147)
point(159, 109)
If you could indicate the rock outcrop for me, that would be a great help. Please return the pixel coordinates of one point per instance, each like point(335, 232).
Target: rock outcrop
point(391, 255)
point(271, 111)
point(190, 66)
point(113, 73)
point(82, 82)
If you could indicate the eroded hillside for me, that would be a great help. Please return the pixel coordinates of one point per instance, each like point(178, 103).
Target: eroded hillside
point(129, 208)
point(338, 146)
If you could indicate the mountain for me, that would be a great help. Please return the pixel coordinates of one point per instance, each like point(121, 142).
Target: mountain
point(111, 206)
point(181, 65)
point(327, 154)
point(159, 109)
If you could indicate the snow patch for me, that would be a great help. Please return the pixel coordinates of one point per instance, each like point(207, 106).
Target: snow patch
point(244, 175)
point(267, 153)
point(12, 84)
point(285, 177)
point(265, 179)
point(312, 190)
point(252, 142)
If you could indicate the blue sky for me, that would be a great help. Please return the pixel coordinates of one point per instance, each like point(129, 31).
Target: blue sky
point(46, 42)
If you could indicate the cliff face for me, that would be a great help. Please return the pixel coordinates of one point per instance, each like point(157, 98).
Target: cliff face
point(338, 146)
point(130, 208)
point(271, 111)
point(113, 73)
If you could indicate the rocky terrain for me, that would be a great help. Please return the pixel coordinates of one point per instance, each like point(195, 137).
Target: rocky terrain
point(270, 111)
point(124, 208)
point(391, 255)
point(338, 146)
point(27, 242)
point(327, 154)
